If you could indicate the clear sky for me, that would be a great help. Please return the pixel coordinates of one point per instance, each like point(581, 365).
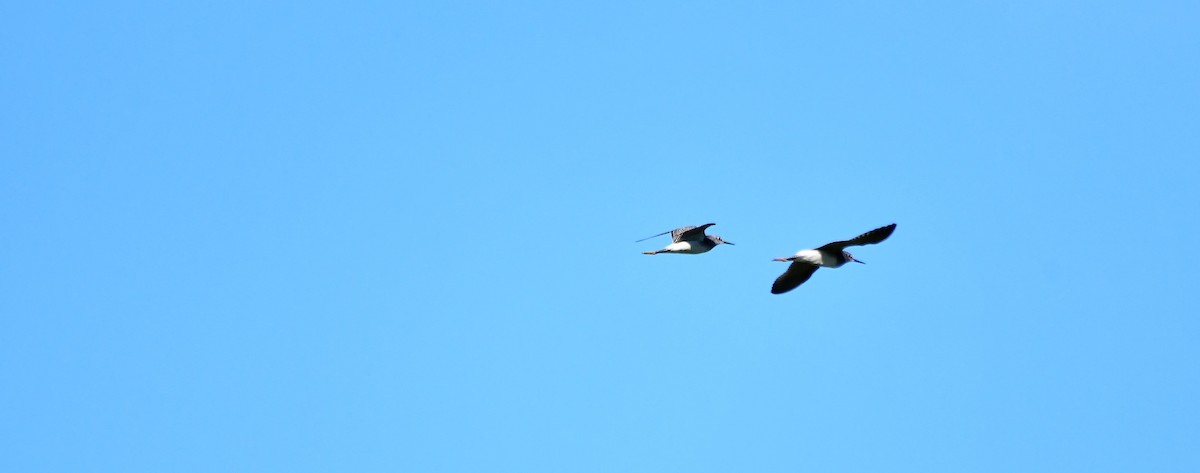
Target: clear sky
point(399, 236)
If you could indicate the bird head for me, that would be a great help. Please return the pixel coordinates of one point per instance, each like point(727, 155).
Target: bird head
point(718, 240)
point(850, 257)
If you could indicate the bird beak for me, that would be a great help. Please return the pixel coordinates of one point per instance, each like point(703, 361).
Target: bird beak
point(725, 242)
point(781, 259)
point(857, 261)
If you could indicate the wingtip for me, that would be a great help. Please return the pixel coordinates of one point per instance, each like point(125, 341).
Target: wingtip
point(890, 229)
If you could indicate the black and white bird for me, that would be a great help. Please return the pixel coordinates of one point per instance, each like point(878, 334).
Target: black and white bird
point(688, 240)
point(832, 255)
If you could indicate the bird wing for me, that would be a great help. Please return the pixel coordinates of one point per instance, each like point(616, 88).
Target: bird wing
point(661, 234)
point(689, 233)
point(870, 238)
point(795, 275)
point(692, 234)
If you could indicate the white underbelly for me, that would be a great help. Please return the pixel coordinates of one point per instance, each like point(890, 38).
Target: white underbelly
point(815, 257)
point(686, 247)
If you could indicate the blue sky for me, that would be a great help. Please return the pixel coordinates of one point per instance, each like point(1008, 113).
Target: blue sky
point(399, 236)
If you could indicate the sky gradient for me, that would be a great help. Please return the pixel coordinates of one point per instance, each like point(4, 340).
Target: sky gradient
point(399, 236)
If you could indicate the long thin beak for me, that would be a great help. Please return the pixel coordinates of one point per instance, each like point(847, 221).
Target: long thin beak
point(781, 259)
point(725, 242)
point(857, 261)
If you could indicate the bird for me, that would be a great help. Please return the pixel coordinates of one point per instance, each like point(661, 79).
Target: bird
point(689, 240)
point(833, 255)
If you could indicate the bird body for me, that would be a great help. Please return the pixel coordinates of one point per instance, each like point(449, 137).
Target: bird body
point(689, 240)
point(817, 258)
point(832, 255)
point(688, 247)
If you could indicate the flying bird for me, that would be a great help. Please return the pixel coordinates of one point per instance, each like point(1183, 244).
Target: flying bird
point(689, 240)
point(833, 255)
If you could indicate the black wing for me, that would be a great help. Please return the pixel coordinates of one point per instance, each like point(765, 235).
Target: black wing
point(870, 238)
point(692, 234)
point(795, 275)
